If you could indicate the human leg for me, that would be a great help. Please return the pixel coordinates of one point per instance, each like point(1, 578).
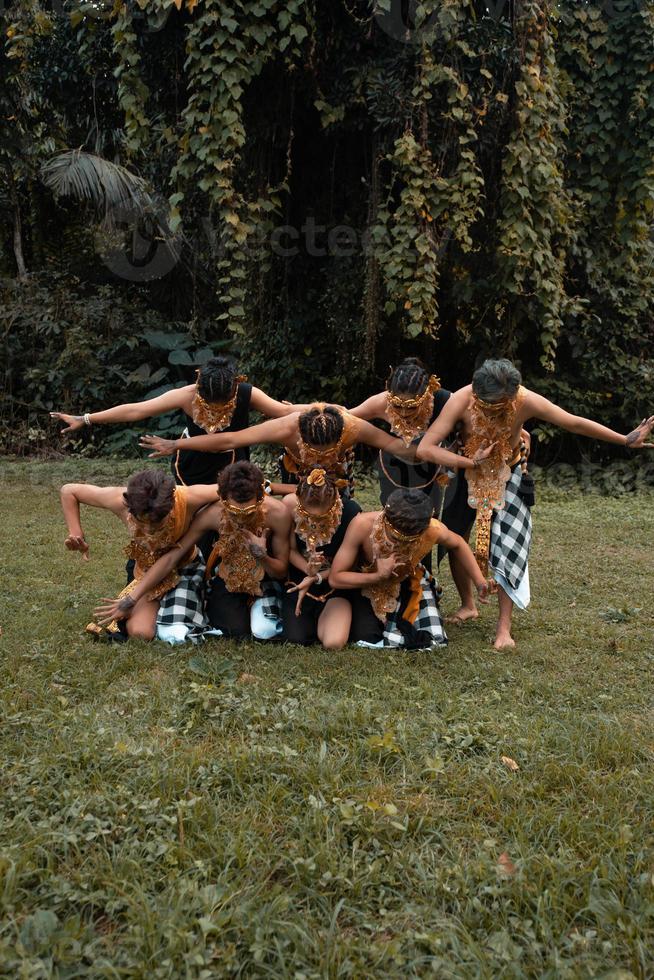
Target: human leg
point(334, 623)
point(503, 638)
point(142, 622)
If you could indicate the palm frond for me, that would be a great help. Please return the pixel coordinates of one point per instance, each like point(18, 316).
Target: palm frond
point(114, 192)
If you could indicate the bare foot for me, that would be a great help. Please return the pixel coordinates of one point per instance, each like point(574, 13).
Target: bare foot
point(503, 640)
point(462, 615)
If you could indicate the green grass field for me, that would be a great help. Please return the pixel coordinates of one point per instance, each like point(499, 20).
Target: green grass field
point(165, 816)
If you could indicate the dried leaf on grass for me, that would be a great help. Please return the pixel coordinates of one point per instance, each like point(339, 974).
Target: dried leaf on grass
point(510, 763)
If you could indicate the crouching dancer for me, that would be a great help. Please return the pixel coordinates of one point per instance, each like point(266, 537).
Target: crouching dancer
point(312, 611)
point(382, 554)
point(157, 514)
point(250, 555)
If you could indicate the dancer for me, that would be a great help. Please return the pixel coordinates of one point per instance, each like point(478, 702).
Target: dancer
point(311, 610)
point(321, 436)
point(413, 400)
point(157, 514)
point(220, 401)
point(493, 410)
point(382, 554)
point(251, 553)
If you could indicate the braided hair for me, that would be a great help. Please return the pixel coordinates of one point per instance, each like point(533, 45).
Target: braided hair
point(150, 494)
point(320, 495)
point(241, 482)
point(411, 377)
point(216, 379)
point(321, 426)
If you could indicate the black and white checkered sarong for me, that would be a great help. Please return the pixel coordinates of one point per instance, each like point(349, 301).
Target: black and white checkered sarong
point(185, 603)
point(271, 600)
point(510, 538)
point(428, 621)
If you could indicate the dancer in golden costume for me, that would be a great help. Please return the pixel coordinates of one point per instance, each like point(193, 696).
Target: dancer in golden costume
point(321, 436)
point(157, 515)
point(382, 556)
point(312, 610)
point(220, 401)
point(492, 412)
point(250, 556)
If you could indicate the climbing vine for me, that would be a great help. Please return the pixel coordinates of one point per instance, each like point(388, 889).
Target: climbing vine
point(488, 166)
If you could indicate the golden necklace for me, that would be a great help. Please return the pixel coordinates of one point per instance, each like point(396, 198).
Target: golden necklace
point(215, 416)
point(316, 530)
point(238, 568)
point(411, 417)
point(409, 549)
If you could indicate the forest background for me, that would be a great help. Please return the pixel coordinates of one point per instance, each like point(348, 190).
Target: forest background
point(321, 188)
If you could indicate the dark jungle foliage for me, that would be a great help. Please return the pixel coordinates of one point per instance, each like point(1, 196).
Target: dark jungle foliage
point(323, 187)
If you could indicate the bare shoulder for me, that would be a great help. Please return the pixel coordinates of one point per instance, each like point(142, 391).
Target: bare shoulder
point(460, 396)
point(289, 501)
point(278, 514)
point(210, 515)
point(437, 531)
point(201, 493)
point(363, 522)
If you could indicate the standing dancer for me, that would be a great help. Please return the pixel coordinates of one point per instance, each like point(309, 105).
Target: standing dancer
point(413, 400)
point(157, 514)
point(492, 410)
point(311, 610)
point(220, 401)
point(251, 553)
point(382, 555)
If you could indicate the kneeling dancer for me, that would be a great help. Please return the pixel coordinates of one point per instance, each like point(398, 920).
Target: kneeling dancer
point(382, 555)
point(250, 555)
point(312, 610)
point(157, 514)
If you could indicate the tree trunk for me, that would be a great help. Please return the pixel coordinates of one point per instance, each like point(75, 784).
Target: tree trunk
point(18, 232)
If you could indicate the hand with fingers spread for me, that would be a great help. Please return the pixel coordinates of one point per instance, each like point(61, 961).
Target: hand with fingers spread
point(73, 422)
point(112, 609)
point(77, 542)
point(302, 589)
point(160, 447)
point(636, 438)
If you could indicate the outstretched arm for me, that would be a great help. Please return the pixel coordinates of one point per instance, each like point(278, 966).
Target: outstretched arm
point(274, 430)
point(270, 407)
point(74, 494)
point(130, 412)
point(545, 410)
point(371, 408)
point(370, 435)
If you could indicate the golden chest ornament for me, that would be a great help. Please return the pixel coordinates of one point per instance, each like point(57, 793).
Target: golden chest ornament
point(408, 549)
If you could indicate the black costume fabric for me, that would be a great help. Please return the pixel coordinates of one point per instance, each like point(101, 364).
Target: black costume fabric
point(410, 476)
point(303, 629)
point(191, 467)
